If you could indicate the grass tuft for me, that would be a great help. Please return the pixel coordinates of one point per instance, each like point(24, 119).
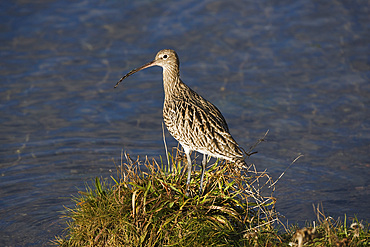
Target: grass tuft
point(146, 206)
point(330, 232)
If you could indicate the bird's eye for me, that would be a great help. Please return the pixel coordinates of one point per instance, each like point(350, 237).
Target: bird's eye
point(165, 56)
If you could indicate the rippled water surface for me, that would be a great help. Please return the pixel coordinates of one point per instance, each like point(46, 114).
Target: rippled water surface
point(299, 69)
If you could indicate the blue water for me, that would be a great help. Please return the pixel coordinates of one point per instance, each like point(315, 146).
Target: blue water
point(299, 69)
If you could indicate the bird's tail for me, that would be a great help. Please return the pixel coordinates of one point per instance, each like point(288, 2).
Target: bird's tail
point(241, 164)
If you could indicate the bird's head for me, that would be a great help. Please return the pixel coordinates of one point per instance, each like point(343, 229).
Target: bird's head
point(167, 59)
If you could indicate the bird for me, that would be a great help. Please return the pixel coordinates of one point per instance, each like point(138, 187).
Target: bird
point(193, 121)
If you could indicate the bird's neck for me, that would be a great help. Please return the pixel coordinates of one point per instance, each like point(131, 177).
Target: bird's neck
point(171, 80)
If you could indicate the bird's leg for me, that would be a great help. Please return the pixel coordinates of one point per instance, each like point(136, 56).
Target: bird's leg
point(204, 163)
point(189, 173)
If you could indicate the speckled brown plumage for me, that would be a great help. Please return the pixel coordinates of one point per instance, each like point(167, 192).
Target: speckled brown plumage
point(192, 120)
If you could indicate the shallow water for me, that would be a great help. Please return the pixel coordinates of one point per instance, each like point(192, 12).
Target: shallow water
point(299, 69)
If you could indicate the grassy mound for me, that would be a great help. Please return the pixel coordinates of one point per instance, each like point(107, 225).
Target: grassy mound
point(148, 207)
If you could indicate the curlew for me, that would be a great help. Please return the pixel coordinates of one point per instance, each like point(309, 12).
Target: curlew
point(193, 121)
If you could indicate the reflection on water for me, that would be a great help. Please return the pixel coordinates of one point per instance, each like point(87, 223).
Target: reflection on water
point(297, 68)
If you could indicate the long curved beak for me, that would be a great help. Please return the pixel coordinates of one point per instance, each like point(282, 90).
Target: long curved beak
point(147, 65)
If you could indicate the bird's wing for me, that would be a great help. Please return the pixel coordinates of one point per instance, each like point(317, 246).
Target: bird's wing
point(204, 105)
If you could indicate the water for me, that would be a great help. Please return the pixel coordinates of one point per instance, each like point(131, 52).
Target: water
point(299, 69)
